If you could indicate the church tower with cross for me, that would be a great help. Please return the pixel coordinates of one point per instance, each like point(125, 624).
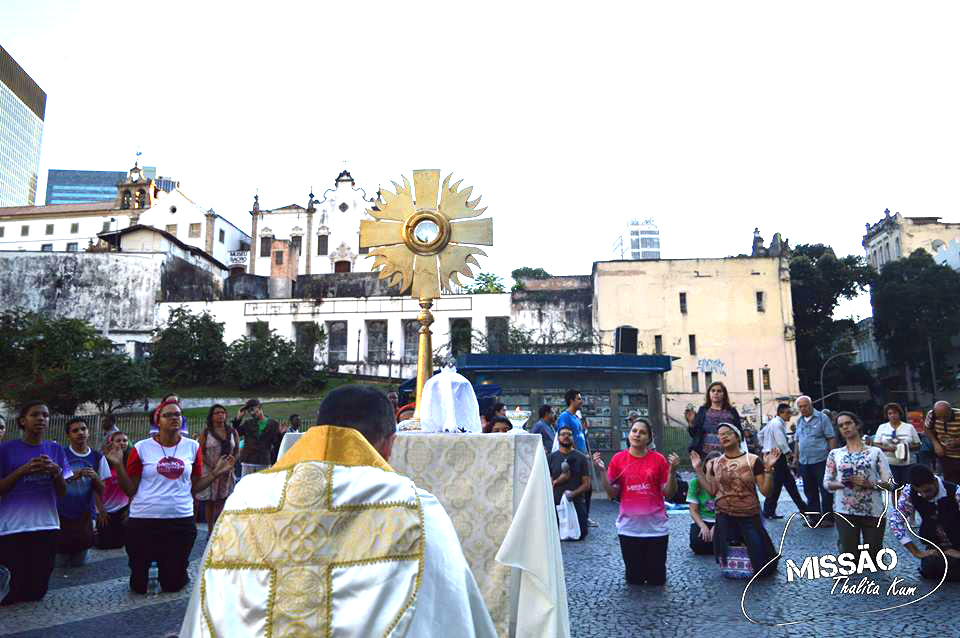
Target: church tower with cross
point(324, 235)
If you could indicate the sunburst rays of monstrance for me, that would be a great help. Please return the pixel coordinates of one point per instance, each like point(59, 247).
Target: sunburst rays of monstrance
point(422, 245)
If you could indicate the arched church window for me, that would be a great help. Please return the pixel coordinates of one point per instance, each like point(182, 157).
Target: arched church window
point(125, 200)
point(323, 244)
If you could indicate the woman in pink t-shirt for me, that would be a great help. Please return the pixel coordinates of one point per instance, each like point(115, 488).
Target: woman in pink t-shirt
point(641, 479)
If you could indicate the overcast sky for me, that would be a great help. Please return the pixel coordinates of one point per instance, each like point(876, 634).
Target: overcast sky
point(569, 118)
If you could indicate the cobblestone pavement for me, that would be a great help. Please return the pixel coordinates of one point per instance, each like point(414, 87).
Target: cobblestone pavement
point(697, 601)
point(94, 600)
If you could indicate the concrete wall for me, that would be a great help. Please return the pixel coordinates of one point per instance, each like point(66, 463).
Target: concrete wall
point(732, 336)
point(115, 292)
point(559, 306)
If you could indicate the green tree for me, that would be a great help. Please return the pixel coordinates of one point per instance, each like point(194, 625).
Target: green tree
point(189, 349)
point(526, 272)
point(486, 283)
point(916, 306)
point(818, 281)
point(265, 359)
point(112, 381)
point(38, 355)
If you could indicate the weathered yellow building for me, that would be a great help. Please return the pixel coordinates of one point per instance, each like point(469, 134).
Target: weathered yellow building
point(728, 320)
point(896, 236)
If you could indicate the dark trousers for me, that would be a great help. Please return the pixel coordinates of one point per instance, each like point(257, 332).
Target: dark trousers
point(167, 541)
point(697, 544)
point(931, 568)
point(850, 529)
point(951, 469)
point(819, 499)
point(747, 531)
point(110, 536)
point(29, 558)
point(645, 559)
point(782, 477)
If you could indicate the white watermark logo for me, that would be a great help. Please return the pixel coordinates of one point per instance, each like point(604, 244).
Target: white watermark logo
point(852, 574)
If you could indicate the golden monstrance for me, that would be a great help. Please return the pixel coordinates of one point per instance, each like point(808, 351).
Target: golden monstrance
point(422, 246)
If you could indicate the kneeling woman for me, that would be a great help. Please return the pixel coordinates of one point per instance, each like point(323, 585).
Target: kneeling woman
point(641, 478)
point(161, 476)
point(733, 479)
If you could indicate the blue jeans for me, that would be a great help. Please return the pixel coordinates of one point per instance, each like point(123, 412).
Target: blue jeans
point(819, 499)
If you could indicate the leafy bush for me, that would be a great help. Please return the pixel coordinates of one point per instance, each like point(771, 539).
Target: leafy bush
point(189, 349)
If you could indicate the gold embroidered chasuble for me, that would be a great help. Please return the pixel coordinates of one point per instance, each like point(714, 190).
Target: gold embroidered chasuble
point(329, 541)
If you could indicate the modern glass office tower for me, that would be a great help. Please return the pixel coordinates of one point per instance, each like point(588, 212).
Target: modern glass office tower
point(77, 187)
point(22, 105)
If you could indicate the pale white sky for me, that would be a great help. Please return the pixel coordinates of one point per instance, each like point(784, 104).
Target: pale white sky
point(569, 118)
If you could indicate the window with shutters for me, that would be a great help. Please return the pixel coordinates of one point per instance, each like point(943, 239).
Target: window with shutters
point(683, 302)
point(694, 382)
point(266, 245)
point(693, 344)
point(322, 241)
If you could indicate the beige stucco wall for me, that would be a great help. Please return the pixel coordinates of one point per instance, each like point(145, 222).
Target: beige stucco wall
point(732, 336)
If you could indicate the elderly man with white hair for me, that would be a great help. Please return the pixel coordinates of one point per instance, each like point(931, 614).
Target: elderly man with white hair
point(942, 425)
point(815, 438)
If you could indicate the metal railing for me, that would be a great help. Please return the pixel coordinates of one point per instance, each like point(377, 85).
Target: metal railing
point(135, 426)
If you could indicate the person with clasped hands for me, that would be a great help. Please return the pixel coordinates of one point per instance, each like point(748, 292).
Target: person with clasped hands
point(161, 476)
point(33, 474)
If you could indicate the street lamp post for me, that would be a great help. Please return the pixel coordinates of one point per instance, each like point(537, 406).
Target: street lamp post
point(823, 394)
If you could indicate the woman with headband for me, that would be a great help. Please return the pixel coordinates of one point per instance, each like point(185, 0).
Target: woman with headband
point(161, 477)
point(641, 479)
point(733, 479)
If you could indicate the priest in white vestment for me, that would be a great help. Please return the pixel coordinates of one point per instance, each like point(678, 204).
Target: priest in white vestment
point(331, 542)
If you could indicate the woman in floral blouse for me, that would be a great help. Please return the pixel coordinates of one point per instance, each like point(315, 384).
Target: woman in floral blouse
point(854, 472)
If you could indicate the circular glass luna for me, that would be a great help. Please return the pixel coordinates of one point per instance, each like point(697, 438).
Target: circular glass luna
point(426, 232)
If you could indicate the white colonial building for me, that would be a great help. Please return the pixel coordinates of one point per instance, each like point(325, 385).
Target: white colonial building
point(139, 201)
point(326, 233)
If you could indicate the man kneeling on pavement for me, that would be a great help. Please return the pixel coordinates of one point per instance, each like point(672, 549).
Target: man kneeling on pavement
point(570, 471)
point(938, 502)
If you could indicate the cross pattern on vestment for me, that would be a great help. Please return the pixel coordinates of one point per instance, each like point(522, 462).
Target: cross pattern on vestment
point(300, 543)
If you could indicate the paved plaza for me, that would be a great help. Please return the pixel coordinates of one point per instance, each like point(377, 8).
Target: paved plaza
point(94, 601)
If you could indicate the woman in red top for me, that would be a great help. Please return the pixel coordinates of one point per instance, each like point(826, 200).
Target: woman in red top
point(641, 478)
point(161, 476)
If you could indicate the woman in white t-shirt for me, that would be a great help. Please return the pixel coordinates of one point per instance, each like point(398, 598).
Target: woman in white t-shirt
point(897, 433)
point(161, 476)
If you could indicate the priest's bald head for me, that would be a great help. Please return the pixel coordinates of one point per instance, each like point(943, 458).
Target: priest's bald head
point(365, 409)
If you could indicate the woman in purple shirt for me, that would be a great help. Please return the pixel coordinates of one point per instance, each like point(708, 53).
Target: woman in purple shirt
point(33, 475)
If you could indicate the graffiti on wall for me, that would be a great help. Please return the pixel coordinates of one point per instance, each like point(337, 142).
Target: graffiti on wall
point(715, 366)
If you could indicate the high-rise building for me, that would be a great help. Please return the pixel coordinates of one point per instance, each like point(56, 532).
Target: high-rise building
point(22, 105)
point(640, 240)
point(77, 187)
